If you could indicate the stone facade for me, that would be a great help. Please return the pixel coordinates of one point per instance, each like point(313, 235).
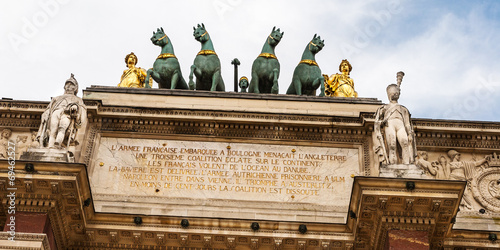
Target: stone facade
point(158, 168)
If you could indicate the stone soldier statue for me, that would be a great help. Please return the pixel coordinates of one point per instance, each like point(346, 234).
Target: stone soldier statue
point(62, 118)
point(398, 136)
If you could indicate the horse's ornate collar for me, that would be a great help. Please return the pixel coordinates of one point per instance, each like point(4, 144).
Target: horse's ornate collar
point(207, 52)
point(310, 62)
point(268, 55)
point(166, 55)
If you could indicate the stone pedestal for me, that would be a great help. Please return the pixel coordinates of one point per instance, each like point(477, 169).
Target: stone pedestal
point(402, 171)
point(48, 154)
point(407, 239)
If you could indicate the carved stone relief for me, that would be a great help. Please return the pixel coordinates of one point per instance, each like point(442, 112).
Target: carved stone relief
point(482, 174)
point(486, 186)
point(20, 141)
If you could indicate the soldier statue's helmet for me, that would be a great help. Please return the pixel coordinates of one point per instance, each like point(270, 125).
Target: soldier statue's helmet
point(73, 81)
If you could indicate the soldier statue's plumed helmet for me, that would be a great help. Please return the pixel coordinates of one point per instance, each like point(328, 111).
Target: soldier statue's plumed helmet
point(73, 81)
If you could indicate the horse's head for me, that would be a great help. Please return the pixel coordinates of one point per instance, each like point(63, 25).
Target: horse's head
point(159, 37)
point(275, 37)
point(316, 44)
point(200, 33)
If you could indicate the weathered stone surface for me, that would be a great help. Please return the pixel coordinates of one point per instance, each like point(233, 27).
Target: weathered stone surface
point(402, 171)
point(48, 154)
point(221, 179)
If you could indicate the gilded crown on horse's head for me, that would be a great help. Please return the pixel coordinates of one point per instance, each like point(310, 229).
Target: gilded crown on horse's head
point(159, 37)
point(275, 36)
point(200, 33)
point(316, 44)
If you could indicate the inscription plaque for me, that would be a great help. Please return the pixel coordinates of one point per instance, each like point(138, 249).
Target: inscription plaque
point(222, 179)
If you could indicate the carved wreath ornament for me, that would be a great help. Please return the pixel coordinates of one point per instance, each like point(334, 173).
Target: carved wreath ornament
point(486, 187)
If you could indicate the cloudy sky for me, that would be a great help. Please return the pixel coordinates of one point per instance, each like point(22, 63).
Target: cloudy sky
point(449, 50)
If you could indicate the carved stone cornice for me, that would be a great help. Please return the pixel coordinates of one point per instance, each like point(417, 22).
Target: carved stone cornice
point(402, 209)
point(52, 189)
point(468, 240)
point(25, 106)
point(24, 240)
point(456, 126)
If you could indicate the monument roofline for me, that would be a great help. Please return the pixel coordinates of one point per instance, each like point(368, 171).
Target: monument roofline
point(230, 102)
point(202, 93)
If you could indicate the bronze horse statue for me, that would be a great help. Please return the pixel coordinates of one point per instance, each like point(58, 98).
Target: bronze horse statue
point(307, 76)
point(266, 68)
point(166, 69)
point(206, 66)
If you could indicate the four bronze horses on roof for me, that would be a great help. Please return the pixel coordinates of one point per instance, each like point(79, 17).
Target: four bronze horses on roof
point(307, 77)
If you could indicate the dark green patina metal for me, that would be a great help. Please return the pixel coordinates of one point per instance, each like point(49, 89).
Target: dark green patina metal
point(266, 68)
point(206, 65)
point(307, 77)
point(166, 69)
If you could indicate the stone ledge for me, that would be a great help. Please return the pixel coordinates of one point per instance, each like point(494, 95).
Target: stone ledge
point(220, 94)
point(229, 102)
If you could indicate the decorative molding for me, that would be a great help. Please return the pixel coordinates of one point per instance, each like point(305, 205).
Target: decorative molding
point(462, 125)
point(28, 184)
point(160, 239)
point(113, 237)
point(278, 243)
point(54, 185)
point(325, 245)
point(254, 243)
point(301, 245)
point(349, 245)
point(207, 241)
point(90, 235)
point(137, 238)
point(184, 240)
point(27, 237)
